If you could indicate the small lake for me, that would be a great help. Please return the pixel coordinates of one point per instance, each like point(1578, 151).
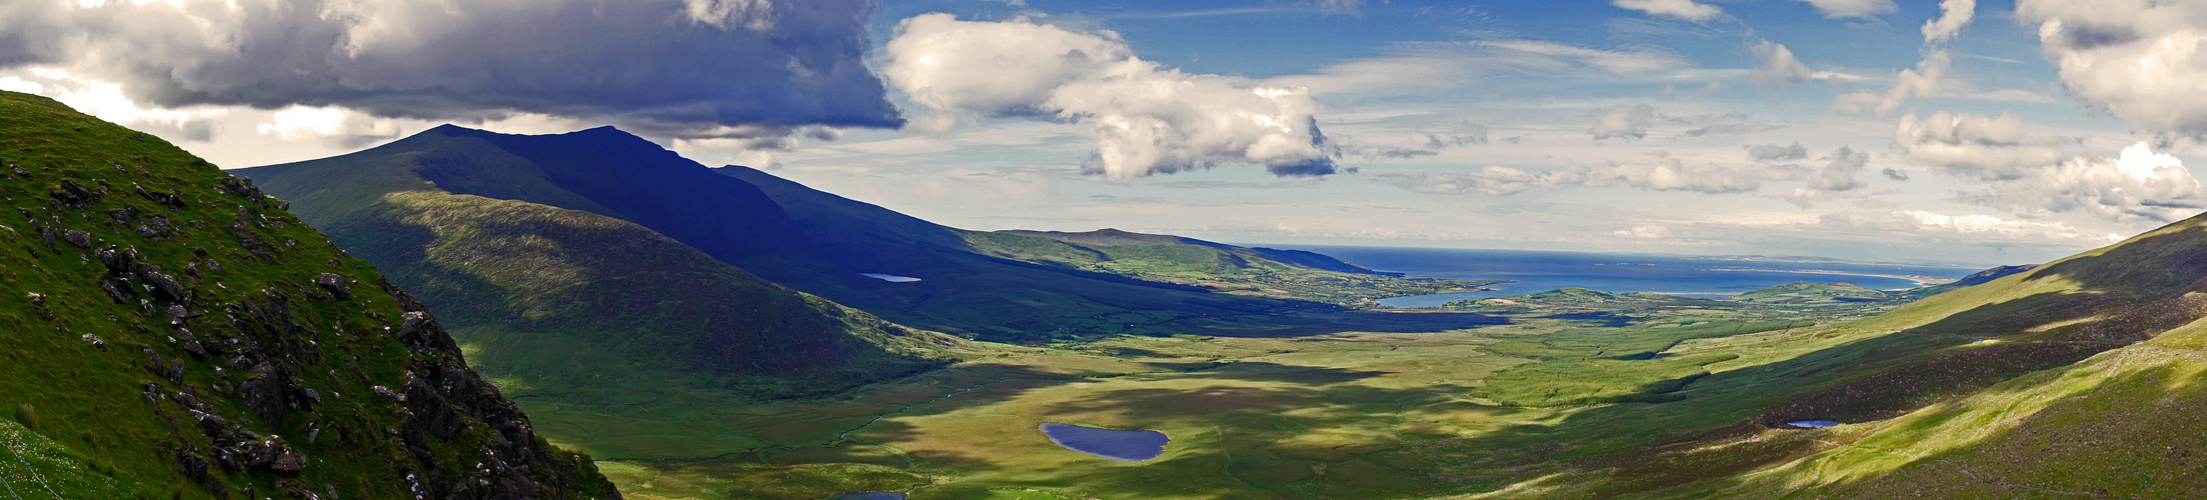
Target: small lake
point(1110, 444)
point(1813, 424)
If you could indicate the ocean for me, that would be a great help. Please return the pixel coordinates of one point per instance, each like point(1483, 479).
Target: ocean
point(1539, 271)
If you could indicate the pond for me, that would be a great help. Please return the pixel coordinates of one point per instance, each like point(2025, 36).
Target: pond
point(870, 495)
point(1113, 445)
point(1812, 424)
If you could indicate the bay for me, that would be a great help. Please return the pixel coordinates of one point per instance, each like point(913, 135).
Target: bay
point(1540, 271)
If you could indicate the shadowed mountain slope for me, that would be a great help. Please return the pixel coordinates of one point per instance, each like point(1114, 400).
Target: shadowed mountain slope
point(536, 278)
point(174, 333)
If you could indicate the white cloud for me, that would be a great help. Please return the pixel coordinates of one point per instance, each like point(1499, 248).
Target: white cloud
point(1775, 65)
point(1953, 16)
point(1682, 9)
point(1623, 121)
point(338, 126)
point(1909, 85)
point(106, 101)
point(2142, 60)
point(1145, 118)
point(1839, 9)
point(1977, 147)
point(2136, 186)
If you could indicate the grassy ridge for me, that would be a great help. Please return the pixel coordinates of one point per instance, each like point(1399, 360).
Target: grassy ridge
point(167, 323)
point(1263, 272)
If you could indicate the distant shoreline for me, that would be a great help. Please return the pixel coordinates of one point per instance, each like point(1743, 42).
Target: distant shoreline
point(1921, 281)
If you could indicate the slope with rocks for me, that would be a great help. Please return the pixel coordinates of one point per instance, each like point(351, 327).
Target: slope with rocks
point(174, 333)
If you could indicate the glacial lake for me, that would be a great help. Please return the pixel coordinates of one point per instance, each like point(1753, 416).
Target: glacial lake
point(1536, 271)
point(1813, 424)
point(1110, 444)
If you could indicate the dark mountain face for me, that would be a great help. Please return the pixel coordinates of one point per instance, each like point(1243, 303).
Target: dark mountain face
point(642, 183)
point(175, 333)
point(532, 270)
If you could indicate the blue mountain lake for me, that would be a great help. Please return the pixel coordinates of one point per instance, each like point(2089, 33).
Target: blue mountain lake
point(1813, 424)
point(1537, 271)
point(1113, 445)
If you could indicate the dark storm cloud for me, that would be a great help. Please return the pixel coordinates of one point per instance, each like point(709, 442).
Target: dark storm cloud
point(682, 68)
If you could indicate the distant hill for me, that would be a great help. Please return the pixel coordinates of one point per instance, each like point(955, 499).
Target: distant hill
point(175, 333)
point(1802, 292)
point(537, 257)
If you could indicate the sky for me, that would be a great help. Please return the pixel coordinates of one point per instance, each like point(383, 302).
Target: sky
point(1978, 132)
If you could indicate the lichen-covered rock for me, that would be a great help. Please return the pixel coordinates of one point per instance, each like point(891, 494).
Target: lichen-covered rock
point(77, 237)
point(335, 285)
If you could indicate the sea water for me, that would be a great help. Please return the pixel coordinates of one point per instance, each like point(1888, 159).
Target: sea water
point(1538, 271)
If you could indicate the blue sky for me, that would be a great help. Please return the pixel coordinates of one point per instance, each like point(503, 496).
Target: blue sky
point(1828, 127)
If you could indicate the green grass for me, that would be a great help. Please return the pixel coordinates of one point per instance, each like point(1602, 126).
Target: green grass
point(1211, 266)
point(84, 426)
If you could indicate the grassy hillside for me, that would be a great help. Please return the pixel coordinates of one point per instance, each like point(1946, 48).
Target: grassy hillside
point(173, 333)
point(1025, 288)
point(1264, 272)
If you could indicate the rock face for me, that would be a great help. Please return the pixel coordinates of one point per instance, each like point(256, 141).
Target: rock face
point(198, 341)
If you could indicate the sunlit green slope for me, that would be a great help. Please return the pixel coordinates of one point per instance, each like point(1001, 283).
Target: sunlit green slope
point(170, 332)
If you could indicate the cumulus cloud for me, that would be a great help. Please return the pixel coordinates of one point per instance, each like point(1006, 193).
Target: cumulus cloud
point(1953, 16)
point(2142, 60)
point(1773, 152)
point(1895, 174)
point(1145, 118)
point(2136, 186)
point(1775, 65)
point(1840, 9)
point(1623, 121)
point(1977, 147)
point(2029, 173)
point(1682, 9)
point(681, 68)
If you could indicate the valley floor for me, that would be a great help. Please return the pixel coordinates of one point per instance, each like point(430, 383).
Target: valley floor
point(1325, 415)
